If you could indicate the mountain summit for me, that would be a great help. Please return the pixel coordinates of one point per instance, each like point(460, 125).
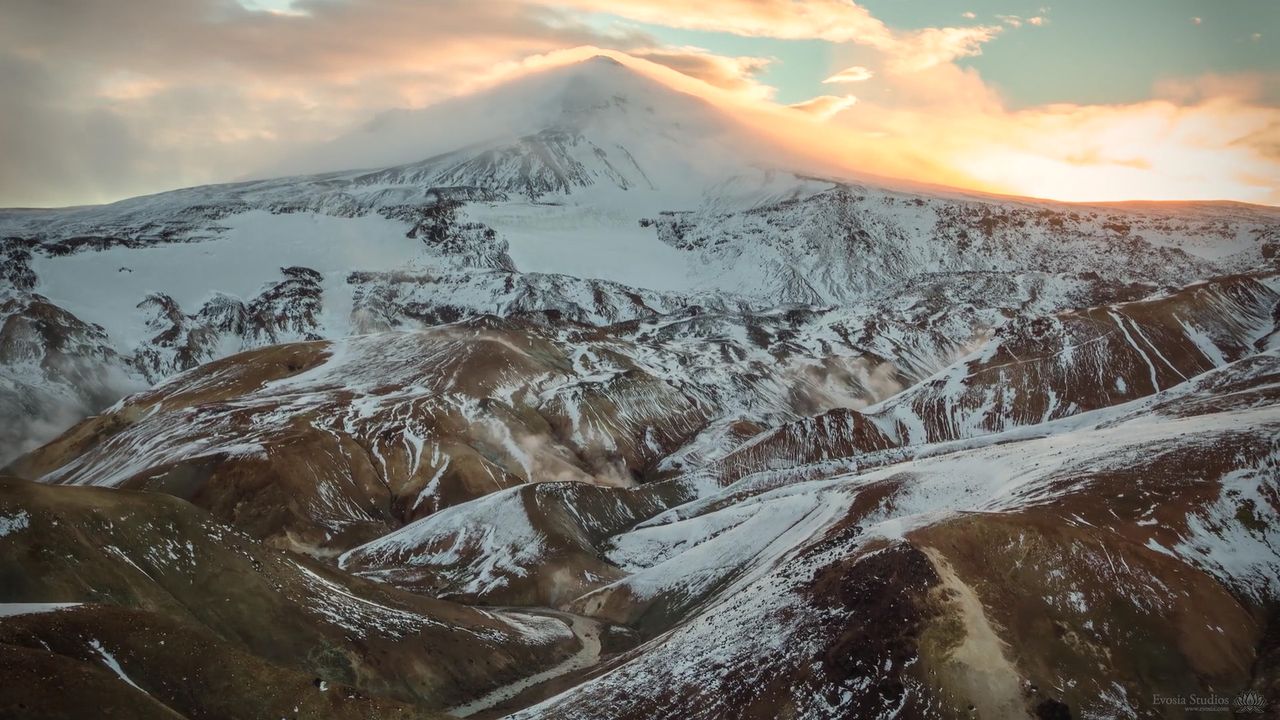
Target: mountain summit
point(593, 123)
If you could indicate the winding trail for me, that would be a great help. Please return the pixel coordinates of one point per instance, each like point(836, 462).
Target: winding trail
point(585, 629)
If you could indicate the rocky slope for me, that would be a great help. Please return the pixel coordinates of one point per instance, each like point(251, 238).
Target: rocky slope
point(54, 367)
point(353, 438)
point(987, 564)
point(144, 567)
point(1033, 371)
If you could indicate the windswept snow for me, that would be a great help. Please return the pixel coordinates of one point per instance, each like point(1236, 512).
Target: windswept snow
point(13, 523)
point(492, 535)
point(112, 664)
point(12, 609)
point(587, 240)
point(105, 287)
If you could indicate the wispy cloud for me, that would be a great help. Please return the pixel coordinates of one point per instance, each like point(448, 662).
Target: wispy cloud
point(1205, 138)
point(840, 21)
point(924, 49)
point(736, 74)
point(105, 99)
point(825, 106)
point(853, 74)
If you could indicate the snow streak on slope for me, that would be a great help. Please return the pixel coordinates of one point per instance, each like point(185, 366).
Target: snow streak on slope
point(1034, 371)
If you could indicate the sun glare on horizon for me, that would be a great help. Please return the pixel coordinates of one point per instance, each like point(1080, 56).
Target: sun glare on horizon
point(1086, 102)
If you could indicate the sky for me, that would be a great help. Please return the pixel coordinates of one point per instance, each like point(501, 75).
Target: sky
point(1082, 100)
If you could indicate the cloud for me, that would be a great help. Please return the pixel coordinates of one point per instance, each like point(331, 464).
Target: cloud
point(924, 49)
point(1242, 87)
point(329, 39)
point(735, 74)
point(153, 94)
point(853, 74)
point(832, 20)
point(825, 106)
point(1205, 138)
point(1016, 21)
point(50, 148)
point(106, 99)
point(1214, 150)
point(838, 21)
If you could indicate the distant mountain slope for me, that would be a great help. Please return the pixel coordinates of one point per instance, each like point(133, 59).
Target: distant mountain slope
point(366, 433)
point(1038, 370)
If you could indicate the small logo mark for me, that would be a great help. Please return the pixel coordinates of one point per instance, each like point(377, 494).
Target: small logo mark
point(1249, 701)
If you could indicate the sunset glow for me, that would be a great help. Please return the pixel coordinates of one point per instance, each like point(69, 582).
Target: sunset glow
point(857, 85)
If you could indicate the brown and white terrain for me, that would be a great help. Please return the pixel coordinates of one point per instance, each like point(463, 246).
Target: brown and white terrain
point(611, 417)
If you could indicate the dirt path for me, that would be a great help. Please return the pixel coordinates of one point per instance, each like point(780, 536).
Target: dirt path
point(978, 666)
point(585, 629)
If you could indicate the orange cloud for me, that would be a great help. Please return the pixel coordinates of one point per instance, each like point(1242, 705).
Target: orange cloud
point(836, 21)
point(735, 74)
point(833, 20)
point(854, 74)
point(1152, 150)
point(96, 109)
point(1212, 139)
point(924, 49)
point(825, 106)
point(946, 127)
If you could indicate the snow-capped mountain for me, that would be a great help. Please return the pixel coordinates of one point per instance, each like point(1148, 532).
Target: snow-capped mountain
point(607, 176)
point(577, 398)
